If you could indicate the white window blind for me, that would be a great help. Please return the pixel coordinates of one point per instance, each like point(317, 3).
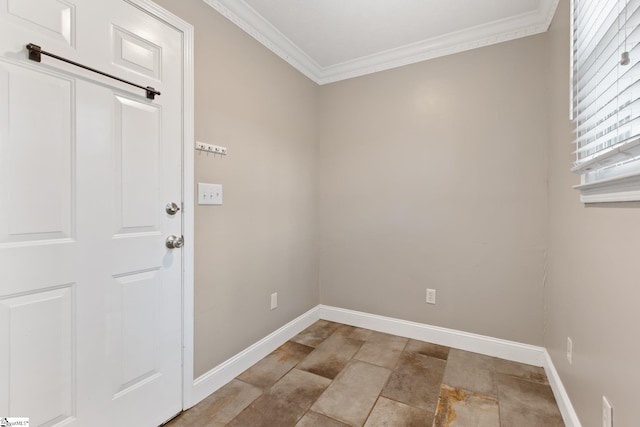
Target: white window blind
point(606, 98)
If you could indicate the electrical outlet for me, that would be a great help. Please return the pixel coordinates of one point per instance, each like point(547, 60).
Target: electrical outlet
point(431, 296)
point(569, 351)
point(274, 301)
point(607, 413)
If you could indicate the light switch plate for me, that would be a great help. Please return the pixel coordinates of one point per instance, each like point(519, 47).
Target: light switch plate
point(209, 194)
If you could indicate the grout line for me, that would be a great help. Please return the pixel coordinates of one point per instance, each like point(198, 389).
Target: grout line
point(494, 371)
point(372, 407)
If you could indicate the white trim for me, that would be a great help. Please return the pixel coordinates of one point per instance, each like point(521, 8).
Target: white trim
point(188, 179)
point(620, 196)
point(250, 21)
point(562, 398)
point(188, 219)
point(619, 189)
point(510, 350)
point(206, 384)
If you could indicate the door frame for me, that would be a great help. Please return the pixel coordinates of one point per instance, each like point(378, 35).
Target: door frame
point(188, 179)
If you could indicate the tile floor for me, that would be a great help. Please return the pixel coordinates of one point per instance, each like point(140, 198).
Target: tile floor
point(334, 375)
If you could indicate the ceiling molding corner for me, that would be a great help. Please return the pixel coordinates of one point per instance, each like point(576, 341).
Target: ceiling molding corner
point(549, 8)
point(250, 21)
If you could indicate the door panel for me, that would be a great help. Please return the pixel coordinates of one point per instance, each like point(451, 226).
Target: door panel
point(38, 366)
point(134, 303)
point(137, 129)
point(134, 53)
point(55, 18)
point(34, 134)
point(91, 298)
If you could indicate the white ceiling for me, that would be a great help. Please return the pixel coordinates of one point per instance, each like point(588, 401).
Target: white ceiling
point(332, 40)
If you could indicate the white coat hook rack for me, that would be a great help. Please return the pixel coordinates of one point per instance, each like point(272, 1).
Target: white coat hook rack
point(210, 148)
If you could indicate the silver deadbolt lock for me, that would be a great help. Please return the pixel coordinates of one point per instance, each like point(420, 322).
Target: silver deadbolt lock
point(172, 208)
point(174, 242)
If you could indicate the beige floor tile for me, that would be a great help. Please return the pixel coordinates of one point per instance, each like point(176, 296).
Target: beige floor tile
point(188, 418)
point(478, 361)
point(388, 413)
point(416, 381)
point(285, 403)
point(380, 379)
point(347, 331)
point(527, 403)
point(223, 405)
point(331, 356)
point(462, 408)
point(382, 350)
point(353, 393)
point(471, 371)
point(313, 419)
point(428, 349)
point(520, 370)
point(316, 333)
point(361, 334)
point(269, 370)
point(220, 407)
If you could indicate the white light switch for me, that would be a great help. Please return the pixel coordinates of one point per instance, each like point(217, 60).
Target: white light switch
point(209, 194)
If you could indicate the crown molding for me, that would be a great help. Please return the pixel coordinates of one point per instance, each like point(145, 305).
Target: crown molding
point(250, 21)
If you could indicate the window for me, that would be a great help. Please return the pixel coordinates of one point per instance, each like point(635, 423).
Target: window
point(606, 98)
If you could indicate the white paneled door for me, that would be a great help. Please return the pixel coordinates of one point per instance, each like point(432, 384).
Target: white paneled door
point(90, 295)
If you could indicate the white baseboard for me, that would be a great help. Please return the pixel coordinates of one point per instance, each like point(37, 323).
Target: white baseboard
point(569, 414)
point(206, 384)
point(510, 350)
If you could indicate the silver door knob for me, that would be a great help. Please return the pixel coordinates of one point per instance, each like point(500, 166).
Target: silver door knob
point(174, 242)
point(172, 208)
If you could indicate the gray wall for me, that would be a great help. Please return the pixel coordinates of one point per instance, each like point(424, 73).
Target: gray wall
point(434, 175)
point(593, 274)
point(264, 238)
point(431, 175)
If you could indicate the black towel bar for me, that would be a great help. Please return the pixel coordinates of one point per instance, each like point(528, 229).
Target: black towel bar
point(36, 52)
